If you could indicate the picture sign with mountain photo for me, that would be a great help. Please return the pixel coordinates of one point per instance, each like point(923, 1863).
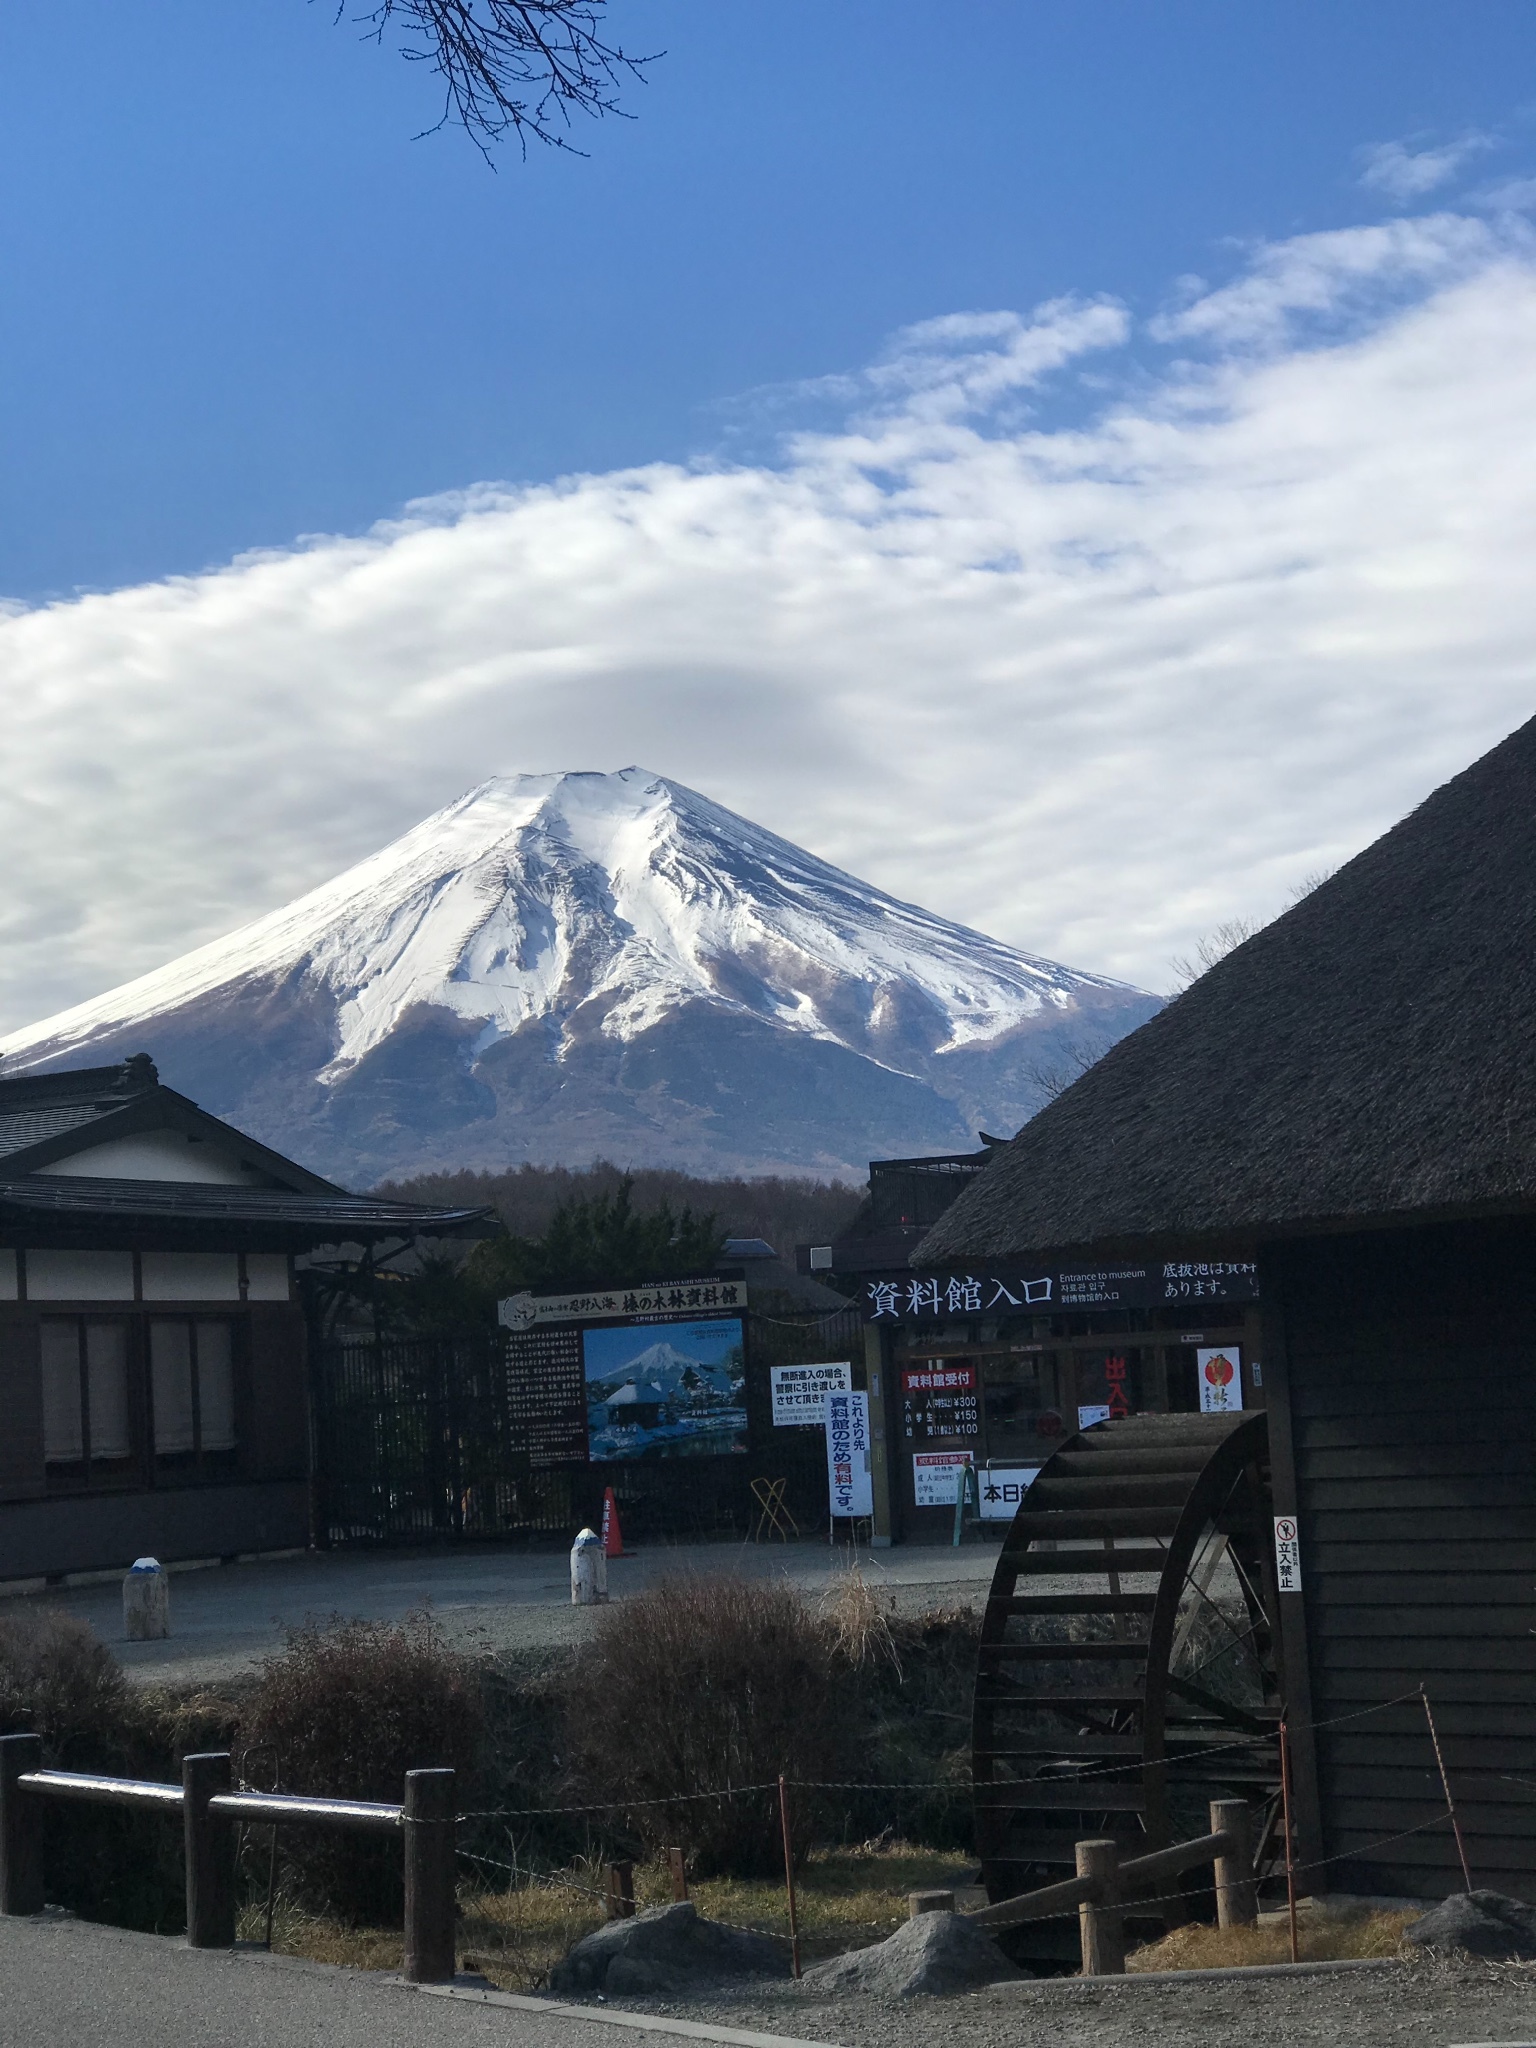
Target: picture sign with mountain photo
point(673, 1391)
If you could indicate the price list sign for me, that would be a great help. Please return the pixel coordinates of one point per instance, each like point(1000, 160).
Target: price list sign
point(939, 1400)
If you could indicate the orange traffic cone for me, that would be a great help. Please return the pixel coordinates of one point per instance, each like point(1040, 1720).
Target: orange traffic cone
point(613, 1539)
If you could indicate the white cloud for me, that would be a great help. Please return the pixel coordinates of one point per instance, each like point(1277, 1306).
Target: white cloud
point(1091, 687)
point(1406, 174)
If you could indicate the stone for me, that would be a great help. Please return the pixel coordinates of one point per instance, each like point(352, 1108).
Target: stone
point(663, 1951)
point(146, 1602)
point(1482, 1923)
point(936, 1953)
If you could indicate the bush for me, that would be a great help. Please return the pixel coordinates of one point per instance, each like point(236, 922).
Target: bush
point(346, 1711)
point(702, 1685)
point(58, 1681)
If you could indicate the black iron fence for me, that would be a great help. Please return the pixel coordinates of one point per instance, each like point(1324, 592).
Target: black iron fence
point(425, 1439)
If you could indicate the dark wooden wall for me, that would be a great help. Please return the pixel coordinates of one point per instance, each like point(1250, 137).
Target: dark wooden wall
point(1411, 1361)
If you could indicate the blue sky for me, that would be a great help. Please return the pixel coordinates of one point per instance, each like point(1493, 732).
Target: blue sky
point(241, 303)
point(1070, 464)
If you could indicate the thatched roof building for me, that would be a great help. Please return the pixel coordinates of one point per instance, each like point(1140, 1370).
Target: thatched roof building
point(1370, 1055)
point(1349, 1100)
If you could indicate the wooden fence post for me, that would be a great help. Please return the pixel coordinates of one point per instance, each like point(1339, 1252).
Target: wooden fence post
point(210, 1849)
point(1237, 1898)
point(21, 1820)
point(431, 1868)
point(677, 1863)
point(619, 1904)
point(1099, 1919)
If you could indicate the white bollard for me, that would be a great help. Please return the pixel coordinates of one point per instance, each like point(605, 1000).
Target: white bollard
point(146, 1601)
point(589, 1570)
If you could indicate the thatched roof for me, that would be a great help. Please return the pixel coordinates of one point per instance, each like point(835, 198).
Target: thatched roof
point(1371, 1055)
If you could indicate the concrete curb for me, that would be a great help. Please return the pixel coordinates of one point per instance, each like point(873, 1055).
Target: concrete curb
point(646, 2022)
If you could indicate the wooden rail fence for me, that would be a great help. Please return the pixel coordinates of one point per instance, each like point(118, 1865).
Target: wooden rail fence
point(211, 1809)
point(1104, 1886)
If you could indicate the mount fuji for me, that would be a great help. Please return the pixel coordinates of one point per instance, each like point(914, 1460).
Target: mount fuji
point(564, 967)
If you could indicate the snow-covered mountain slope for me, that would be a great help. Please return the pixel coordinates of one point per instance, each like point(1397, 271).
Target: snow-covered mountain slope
point(563, 966)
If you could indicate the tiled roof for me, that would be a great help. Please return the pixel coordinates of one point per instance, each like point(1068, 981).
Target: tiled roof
point(20, 1128)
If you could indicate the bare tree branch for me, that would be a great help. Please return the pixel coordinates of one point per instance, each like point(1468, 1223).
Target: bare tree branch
point(1054, 1079)
point(509, 67)
point(1214, 946)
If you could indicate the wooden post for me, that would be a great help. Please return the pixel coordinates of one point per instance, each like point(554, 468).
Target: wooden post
point(1099, 1919)
point(21, 1839)
point(620, 1902)
point(210, 1849)
point(431, 1867)
point(1290, 1838)
point(1237, 1898)
point(677, 1863)
point(789, 1875)
point(1445, 1786)
point(929, 1902)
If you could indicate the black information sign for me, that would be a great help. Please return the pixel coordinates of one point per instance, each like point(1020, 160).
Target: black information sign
point(547, 1394)
point(943, 1297)
point(940, 1399)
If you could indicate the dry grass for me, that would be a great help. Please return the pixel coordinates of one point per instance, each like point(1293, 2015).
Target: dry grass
point(1330, 1939)
point(859, 1618)
point(846, 1899)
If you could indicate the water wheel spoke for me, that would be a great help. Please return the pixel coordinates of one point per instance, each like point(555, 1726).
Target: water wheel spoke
point(1139, 1517)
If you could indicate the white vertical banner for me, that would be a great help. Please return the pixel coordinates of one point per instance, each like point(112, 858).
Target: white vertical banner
point(849, 1483)
point(1220, 1373)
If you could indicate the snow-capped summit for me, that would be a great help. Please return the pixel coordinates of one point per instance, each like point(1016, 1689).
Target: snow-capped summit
point(563, 966)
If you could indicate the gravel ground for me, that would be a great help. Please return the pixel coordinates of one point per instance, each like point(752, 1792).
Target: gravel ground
point(1380, 2005)
point(515, 1603)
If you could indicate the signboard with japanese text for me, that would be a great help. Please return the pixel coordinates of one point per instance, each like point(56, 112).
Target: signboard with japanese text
point(850, 1484)
point(1002, 1489)
point(800, 1392)
point(940, 1398)
point(1091, 1412)
point(936, 1477)
point(1287, 1554)
point(621, 1304)
point(1219, 1372)
point(947, 1297)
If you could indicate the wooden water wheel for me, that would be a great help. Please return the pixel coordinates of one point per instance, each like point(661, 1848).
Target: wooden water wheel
point(1127, 1671)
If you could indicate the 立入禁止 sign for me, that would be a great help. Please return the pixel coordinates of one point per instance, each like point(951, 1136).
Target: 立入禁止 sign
point(1287, 1554)
point(800, 1391)
point(1220, 1373)
point(935, 1476)
point(850, 1486)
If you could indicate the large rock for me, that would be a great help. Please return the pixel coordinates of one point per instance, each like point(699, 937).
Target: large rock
point(937, 1953)
point(1482, 1923)
point(667, 1949)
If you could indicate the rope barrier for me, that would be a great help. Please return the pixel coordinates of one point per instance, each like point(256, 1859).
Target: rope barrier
point(946, 1785)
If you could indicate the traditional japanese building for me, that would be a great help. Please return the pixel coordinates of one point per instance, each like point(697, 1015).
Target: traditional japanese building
point(991, 1368)
point(1347, 1103)
point(152, 1342)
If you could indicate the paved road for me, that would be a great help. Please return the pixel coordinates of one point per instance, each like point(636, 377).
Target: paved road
point(226, 1618)
point(69, 1983)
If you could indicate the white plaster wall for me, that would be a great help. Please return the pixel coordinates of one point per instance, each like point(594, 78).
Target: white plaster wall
point(189, 1276)
point(159, 1155)
point(266, 1275)
point(79, 1276)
